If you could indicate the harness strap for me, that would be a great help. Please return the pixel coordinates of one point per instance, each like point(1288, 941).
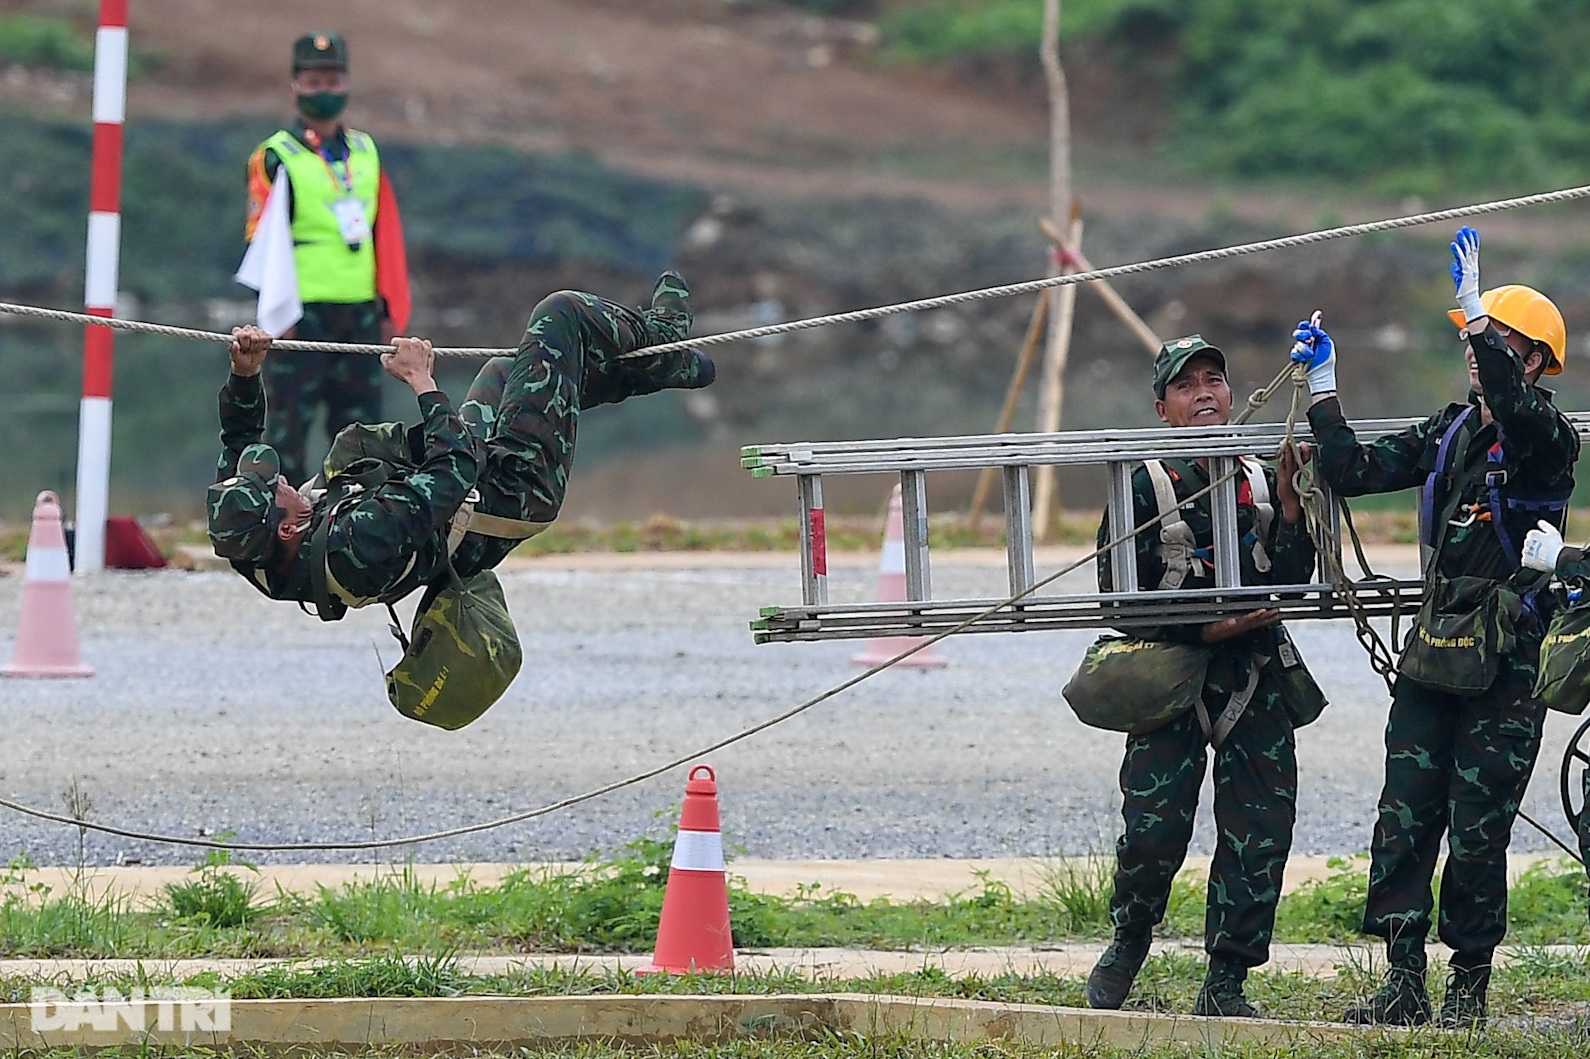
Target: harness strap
point(1177, 548)
point(468, 520)
point(1219, 728)
point(1434, 486)
point(1259, 488)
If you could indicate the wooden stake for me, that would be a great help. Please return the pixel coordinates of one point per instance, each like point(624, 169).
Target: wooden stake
point(1007, 414)
point(1061, 204)
point(1103, 289)
point(1051, 395)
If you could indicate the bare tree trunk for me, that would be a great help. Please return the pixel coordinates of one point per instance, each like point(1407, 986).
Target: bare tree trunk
point(1051, 392)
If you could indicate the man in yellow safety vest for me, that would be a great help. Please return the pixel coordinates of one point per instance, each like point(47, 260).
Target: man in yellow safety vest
point(347, 253)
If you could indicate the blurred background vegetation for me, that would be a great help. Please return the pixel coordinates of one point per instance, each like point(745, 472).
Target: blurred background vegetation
point(1446, 101)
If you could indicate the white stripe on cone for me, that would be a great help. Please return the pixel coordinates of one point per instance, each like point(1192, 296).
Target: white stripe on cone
point(891, 589)
point(698, 851)
point(47, 564)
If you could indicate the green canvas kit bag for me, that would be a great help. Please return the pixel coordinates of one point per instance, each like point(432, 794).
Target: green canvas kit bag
point(1563, 683)
point(1464, 627)
point(460, 656)
point(1125, 684)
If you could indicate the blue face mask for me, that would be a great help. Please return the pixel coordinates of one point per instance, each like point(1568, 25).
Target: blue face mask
point(322, 106)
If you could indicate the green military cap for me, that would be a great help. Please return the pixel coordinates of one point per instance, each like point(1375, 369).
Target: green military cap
point(1174, 355)
point(320, 51)
point(242, 509)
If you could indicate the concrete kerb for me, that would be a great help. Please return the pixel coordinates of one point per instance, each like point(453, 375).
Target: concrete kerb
point(440, 1023)
point(817, 965)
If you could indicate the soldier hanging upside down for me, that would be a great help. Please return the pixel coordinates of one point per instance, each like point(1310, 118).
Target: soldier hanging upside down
point(459, 491)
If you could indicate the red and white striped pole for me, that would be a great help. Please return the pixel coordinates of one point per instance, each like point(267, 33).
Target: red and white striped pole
point(99, 285)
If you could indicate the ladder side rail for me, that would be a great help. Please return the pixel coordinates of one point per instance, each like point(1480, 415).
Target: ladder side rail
point(1223, 518)
point(1018, 528)
point(1123, 516)
point(814, 540)
point(1241, 430)
point(1243, 596)
point(914, 515)
point(800, 451)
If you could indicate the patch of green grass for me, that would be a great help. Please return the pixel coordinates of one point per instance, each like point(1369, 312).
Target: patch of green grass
point(614, 904)
point(214, 897)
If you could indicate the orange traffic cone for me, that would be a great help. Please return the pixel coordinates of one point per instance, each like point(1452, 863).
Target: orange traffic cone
point(891, 588)
point(47, 635)
point(693, 934)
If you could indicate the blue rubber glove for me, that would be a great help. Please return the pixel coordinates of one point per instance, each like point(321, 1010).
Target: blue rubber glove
point(1313, 349)
point(1465, 269)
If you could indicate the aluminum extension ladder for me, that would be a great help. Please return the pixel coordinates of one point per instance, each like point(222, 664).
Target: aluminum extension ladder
point(1015, 455)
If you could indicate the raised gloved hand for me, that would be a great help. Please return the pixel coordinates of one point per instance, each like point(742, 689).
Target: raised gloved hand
point(1542, 545)
point(1313, 349)
point(1465, 270)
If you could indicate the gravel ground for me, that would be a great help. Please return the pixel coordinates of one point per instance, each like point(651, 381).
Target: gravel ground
point(215, 710)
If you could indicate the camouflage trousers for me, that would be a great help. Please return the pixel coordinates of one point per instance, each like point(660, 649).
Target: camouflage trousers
point(1255, 785)
point(299, 384)
point(526, 407)
point(1456, 765)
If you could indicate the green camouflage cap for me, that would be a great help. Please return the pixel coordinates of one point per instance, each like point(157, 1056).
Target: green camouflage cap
point(242, 509)
point(1174, 355)
point(320, 51)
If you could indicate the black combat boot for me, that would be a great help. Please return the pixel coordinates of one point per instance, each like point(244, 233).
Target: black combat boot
point(1112, 977)
point(1402, 999)
point(1463, 1006)
point(1221, 995)
point(667, 321)
point(670, 316)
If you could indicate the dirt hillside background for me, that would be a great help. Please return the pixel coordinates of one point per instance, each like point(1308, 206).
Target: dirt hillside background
point(828, 181)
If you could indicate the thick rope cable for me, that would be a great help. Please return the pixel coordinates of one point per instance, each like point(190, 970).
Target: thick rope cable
point(651, 773)
point(860, 315)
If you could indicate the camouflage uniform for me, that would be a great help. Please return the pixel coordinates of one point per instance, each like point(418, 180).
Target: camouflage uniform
point(513, 441)
point(1457, 764)
point(1255, 770)
point(1573, 566)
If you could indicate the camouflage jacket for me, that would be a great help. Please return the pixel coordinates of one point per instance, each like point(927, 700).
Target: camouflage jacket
point(1288, 545)
point(1539, 448)
point(386, 543)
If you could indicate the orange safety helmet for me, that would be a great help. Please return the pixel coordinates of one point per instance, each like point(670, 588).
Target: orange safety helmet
point(1531, 314)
